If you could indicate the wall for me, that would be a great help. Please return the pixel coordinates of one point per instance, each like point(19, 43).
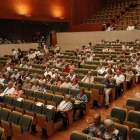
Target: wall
point(72, 40)
point(8, 48)
point(116, 1)
point(11, 29)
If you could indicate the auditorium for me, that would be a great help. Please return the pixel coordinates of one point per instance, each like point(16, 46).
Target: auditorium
point(70, 70)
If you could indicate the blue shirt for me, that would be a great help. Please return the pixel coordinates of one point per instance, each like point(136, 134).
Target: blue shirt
point(90, 134)
point(42, 89)
point(15, 75)
point(6, 81)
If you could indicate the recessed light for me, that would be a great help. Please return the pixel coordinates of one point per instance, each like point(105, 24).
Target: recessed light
point(22, 21)
point(47, 24)
point(43, 22)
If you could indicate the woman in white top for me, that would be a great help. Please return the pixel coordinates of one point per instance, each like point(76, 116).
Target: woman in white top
point(2, 78)
point(110, 59)
point(102, 59)
point(55, 73)
point(67, 82)
point(105, 49)
point(42, 79)
point(130, 47)
point(112, 49)
point(7, 67)
point(100, 69)
point(110, 66)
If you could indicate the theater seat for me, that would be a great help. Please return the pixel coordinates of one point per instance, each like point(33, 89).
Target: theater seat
point(78, 136)
point(1, 133)
point(135, 134)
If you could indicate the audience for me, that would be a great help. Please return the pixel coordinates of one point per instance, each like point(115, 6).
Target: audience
point(66, 69)
point(57, 81)
point(36, 85)
point(89, 78)
point(71, 64)
point(15, 74)
point(49, 80)
point(130, 27)
point(42, 79)
point(102, 59)
point(7, 79)
point(129, 74)
point(27, 83)
point(100, 69)
point(35, 77)
point(48, 72)
point(42, 87)
point(67, 82)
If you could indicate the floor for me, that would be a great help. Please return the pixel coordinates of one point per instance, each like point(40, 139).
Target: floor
point(61, 133)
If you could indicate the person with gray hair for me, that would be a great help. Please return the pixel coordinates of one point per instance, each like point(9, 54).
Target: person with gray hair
point(29, 65)
point(89, 78)
point(27, 83)
point(110, 133)
point(71, 75)
point(15, 74)
point(62, 109)
point(89, 58)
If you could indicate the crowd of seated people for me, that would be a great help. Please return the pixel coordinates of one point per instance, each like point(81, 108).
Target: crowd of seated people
point(11, 41)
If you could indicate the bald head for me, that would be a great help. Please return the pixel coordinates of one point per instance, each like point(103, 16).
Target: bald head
point(96, 119)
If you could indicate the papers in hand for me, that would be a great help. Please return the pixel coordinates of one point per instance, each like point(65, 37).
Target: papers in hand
point(39, 104)
point(50, 106)
point(19, 99)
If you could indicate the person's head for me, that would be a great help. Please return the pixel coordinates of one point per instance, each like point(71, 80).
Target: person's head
point(71, 72)
point(83, 47)
point(88, 55)
point(110, 58)
point(42, 77)
point(57, 78)
point(24, 63)
point(134, 55)
point(88, 46)
point(43, 84)
point(27, 74)
point(4, 70)
point(127, 62)
point(100, 65)
point(19, 49)
point(13, 79)
point(66, 66)
point(48, 69)
point(96, 119)
point(67, 98)
point(89, 73)
point(75, 81)
point(19, 87)
point(35, 75)
point(118, 72)
point(19, 62)
point(128, 68)
point(27, 80)
point(15, 71)
point(109, 125)
point(133, 51)
point(119, 66)
point(29, 64)
point(55, 57)
point(10, 84)
point(63, 62)
point(104, 47)
point(81, 91)
point(102, 57)
point(22, 73)
point(31, 52)
point(36, 82)
point(67, 79)
point(7, 64)
point(131, 24)
point(110, 65)
point(47, 65)
point(58, 60)
point(109, 71)
point(134, 63)
point(7, 77)
point(48, 77)
point(71, 62)
point(108, 77)
point(13, 50)
point(118, 57)
point(19, 81)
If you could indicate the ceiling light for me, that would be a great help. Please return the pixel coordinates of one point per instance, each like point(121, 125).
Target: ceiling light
point(27, 15)
point(62, 17)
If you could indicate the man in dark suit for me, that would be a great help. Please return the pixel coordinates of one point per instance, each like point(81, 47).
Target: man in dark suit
point(92, 127)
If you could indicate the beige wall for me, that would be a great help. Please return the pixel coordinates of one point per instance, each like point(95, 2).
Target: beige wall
point(71, 40)
point(7, 48)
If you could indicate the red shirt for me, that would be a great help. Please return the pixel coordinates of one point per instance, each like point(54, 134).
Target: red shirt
point(66, 70)
point(120, 70)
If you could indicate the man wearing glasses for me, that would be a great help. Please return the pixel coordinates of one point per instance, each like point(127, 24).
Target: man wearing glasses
point(92, 127)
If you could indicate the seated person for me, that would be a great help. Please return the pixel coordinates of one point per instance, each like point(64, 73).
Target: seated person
point(8, 67)
point(36, 85)
point(102, 59)
point(110, 133)
point(63, 63)
point(55, 73)
point(89, 78)
point(119, 67)
point(44, 62)
point(27, 74)
point(129, 74)
point(137, 67)
point(7, 79)
point(71, 64)
point(2, 78)
point(63, 108)
point(110, 59)
point(105, 49)
point(118, 58)
point(78, 65)
point(119, 81)
point(29, 65)
point(74, 84)
point(48, 71)
point(27, 83)
point(18, 91)
point(109, 73)
point(67, 82)
point(58, 63)
point(13, 62)
point(8, 91)
point(116, 65)
point(49, 80)
point(71, 75)
point(92, 54)
point(130, 27)
point(19, 81)
point(4, 71)
point(81, 61)
point(84, 54)
point(100, 69)
point(24, 64)
point(110, 66)
point(53, 67)
point(133, 58)
point(42, 87)
point(15, 74)
point(13, 80)
point(130, 47)
point(123, 53)
point(57, 81)
point(81, 100)
point(89, 58)
point(55, 59)
point(66, 69)
point(22, 74)
point(92, 127)
point(35, 77)
point(19, 64)
point(47, 66)
point(88, 48)
point(42, 79)
point(127, 64)
point(109, 84)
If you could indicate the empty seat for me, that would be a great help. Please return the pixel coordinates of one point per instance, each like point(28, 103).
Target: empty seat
point(78, 136)
point(74, 92)
point(8, 101)
point(63, 91)
point(46, 97)
point(37, 95)
point(135, 134)
point(28, 92)
point(88, 86)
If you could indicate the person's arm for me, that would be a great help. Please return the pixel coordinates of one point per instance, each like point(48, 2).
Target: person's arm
point(78, 87)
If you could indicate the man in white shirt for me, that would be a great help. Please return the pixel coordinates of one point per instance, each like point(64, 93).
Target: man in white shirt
point(29, 65)
point(32, 55)
point(48, 71)
point(9, 90)
point(58, 63)
point(109, 28)
point(105, 49)
point(130, 27)
point(88, 48)
point(37, 52)
point(14, 53)
point(15, 74)
point(119, 81)
point(89, 78)
point(56, 48)
point(89, 58)
point(71, 75)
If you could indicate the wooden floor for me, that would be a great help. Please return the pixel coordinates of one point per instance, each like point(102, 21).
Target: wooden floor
point(61, 133)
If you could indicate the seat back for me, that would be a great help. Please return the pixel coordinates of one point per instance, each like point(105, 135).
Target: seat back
point(55, 88)
point(27, 105)
point(57, 99)
point(29, 92)
point(25, 123)
point(99, 79)
point(49, 113)
point(135, 134)
point(99, 87)
point(47, 97)
point(37, 108)
point(38, 94)
point(4, 114)
point(88, 94)
point(64, 90)
point(74, 92)
point(78, 136)
point(1, 133)
point(14, 117)
point(88, 85)
point(133, 103)
point(18, 103)
point(9, 100)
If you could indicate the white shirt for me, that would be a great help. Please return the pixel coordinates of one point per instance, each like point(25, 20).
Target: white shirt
point(72, 76)
point(111, 69)
point(101, 70)
point(110, 61)
point(88, 49)
point(105, 50)
point(8, 91)
point(129, 48)
point(37, 52)
point(86, 79)
point(119, 78)
point(55, 75)
point(41, 80)
point(8, 68)
point(46, 73)
point(109, 29)
point(89, 58)
point(137, 95)
point(124, 47)
point(130, 28)
point(32, 56)
point(57, 64)
point(15, 54)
